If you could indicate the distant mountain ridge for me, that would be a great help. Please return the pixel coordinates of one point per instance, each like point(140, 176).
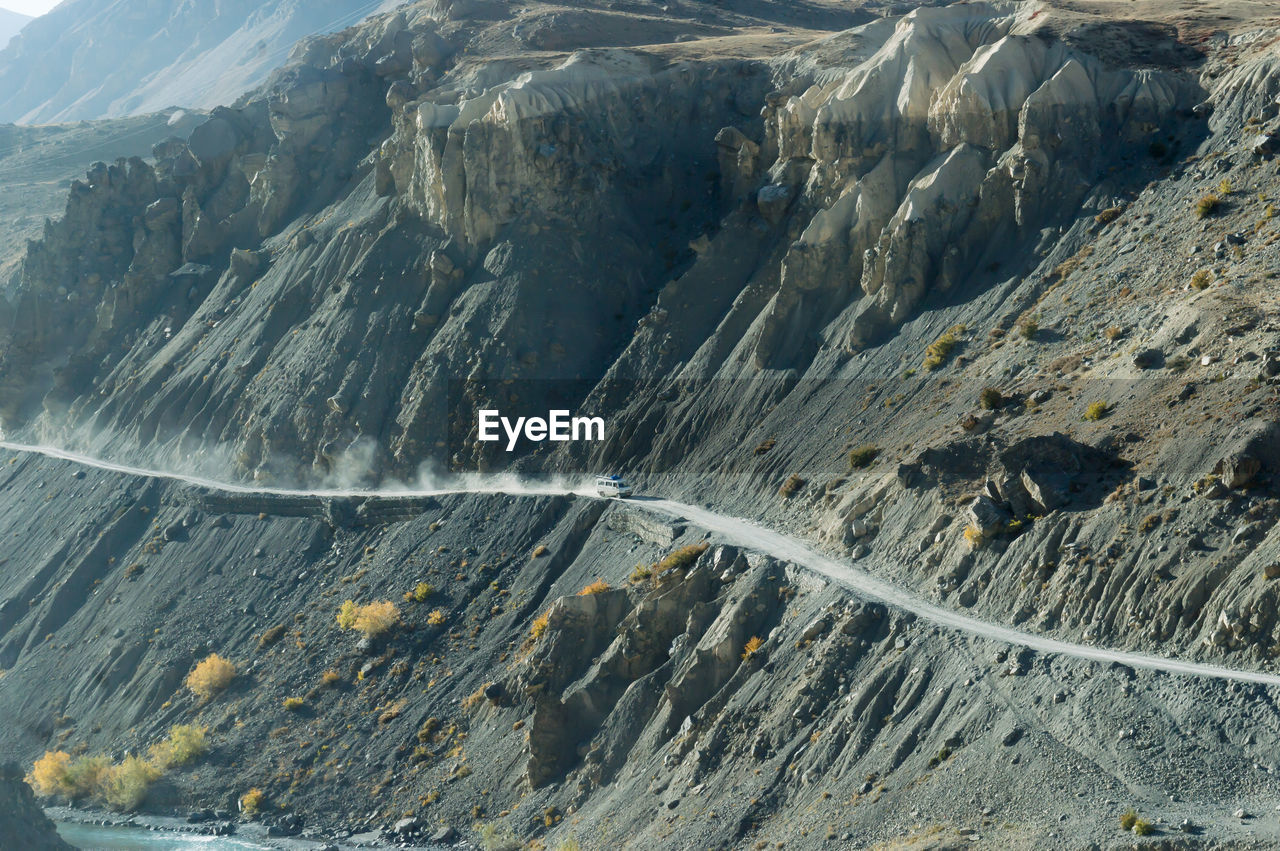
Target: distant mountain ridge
point(10, 24)
point(91, 59)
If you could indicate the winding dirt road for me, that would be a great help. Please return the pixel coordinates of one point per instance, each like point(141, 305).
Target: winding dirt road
point(733, 530)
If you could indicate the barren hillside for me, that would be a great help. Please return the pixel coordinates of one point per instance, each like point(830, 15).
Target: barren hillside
point(976, 298)
point(89, 59)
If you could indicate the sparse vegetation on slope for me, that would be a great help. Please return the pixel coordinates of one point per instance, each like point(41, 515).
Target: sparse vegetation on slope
point(370, 619)
point(211, 676)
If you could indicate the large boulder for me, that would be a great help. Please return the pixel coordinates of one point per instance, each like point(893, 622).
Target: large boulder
point(213, 141)
point(1238, 469)
point(1037, 474)
point(987, 517)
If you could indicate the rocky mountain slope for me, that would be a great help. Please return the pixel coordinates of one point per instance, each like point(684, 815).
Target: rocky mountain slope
point(11, 23)
point(974, 296)
point(89, 59)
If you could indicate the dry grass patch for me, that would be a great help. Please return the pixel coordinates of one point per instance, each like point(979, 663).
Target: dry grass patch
point(1207, 205)
point(681, 558)
point(863, 457)
point(791, 486)
point(1108, 215)
point(936, 354)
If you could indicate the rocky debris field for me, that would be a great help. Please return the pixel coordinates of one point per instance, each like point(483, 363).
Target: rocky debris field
point(588, 677)
point(976, 297)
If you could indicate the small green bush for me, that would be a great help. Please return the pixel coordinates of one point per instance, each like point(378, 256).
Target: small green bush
point(941, 757)
point(991, 399)
point(210, 676)
point(1142, 827)
point(126, 785)
point(1127, 819)
point(252, 801)
point(371, 619)
point(1096, 411)
point(863, 457)
point(1201, 280)
point(420, 593)
point(85, 776)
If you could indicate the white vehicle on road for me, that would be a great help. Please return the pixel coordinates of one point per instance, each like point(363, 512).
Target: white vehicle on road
point(614, 487)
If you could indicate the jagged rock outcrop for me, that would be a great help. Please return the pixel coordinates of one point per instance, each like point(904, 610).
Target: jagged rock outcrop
point(673, 652)
point(22, 823)
point(955, 128)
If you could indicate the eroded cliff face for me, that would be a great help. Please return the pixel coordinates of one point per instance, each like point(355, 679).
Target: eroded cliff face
point(865, 281)
point(433, 238)
point(958, 135)
point(357, 254)
point(712, 249)
point(327, 281)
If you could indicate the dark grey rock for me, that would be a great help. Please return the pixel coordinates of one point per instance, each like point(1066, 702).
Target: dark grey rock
point(21, 817)
point(1148, 359)
point(1238, 469)
point(445, 835)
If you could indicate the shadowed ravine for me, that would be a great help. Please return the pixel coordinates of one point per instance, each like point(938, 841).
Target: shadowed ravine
point(734, 530)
